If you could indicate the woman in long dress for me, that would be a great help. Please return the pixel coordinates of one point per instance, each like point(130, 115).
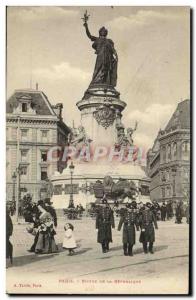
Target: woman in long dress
point(45, 242)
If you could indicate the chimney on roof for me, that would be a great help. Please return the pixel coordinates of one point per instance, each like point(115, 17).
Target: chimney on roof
point(58, 109)
point(36, 86)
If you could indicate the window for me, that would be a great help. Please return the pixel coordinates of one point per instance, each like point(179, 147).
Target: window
point(186, 174)
point(164, 153)
point(163, 176)
point(168, 191)
point(23, 170)
point(58, 189)
point(168, 152)
point(174, 151)
point(163, 192)
point(44, 133)
point(24, 155)
point(44, 175)
point(167, 175)
point(43, 156)
point(185, 150)
point(24, 107)
point(74, 189)
point(24, 133)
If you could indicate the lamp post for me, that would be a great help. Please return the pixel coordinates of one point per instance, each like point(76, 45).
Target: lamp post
point(71, 201)
point(18, 171)
point(14, 176)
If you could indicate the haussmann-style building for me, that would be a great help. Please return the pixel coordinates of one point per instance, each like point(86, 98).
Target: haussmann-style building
point(168, 161)
point(33, 126)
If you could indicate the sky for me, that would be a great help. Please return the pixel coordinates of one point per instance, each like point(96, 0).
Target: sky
point(48, 45)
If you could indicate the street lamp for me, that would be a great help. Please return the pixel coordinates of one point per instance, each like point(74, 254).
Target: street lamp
point(19, 172)
point(14, 176)
point(71, 168)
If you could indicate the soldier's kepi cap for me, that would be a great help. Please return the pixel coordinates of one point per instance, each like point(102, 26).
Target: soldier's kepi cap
point(130, 206)
point(134, 204)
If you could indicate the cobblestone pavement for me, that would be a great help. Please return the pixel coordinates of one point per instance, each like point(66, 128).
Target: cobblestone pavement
point(165, 270)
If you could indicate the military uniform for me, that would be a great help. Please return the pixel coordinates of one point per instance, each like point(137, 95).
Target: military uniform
point(130, 221)
point(104, 224)
point(146, 221)
point(179, 213)
point(155, 209)
point(163, 212)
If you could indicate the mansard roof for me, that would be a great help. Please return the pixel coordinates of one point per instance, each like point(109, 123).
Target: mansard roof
point(181, 116)
point(39, 101)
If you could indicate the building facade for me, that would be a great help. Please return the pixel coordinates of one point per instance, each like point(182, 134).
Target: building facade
point(33, 127)
point(168, 161)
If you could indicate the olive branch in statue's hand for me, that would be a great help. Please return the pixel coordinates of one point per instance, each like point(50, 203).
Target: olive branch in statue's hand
point(85, 18)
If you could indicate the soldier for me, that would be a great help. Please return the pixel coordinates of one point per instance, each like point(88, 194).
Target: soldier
point(146, 220)
point(179, 212)
point(163, 211)
point(104, 222)
point(155, 209)
point(130, 220)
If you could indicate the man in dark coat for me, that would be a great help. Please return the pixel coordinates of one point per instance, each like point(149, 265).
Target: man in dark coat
point(9, 231)
point(187, 213)
point(169, 210)
point(36, 222)
point(155, 207)
point(104, 225)
point(146, 221)
point(130, 221)
point(163, 211)
point(179, 212)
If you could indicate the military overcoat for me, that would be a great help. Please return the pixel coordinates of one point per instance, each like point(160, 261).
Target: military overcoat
point(104, 224)
point(129, 220)
point(147, 221)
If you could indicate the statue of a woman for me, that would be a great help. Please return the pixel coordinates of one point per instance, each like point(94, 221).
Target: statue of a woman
point(105, 71)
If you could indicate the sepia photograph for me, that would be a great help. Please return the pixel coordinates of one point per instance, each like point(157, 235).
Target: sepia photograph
point(98, 150)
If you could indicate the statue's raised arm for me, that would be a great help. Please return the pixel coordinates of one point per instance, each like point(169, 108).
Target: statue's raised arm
point(85, 19)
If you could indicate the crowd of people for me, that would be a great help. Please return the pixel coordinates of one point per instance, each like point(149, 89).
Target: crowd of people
point(133, 216)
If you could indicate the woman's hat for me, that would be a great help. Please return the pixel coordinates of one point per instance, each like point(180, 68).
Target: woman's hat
point(40, 202)
point(47, 201)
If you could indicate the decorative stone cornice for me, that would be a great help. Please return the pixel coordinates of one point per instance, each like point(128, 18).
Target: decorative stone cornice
point(176, 132)
point(31, 121)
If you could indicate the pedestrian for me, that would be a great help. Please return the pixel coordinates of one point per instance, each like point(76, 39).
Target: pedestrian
point(163, 211)
point(155, 207)
point(179, 212)
point(147, 235)
point(9, 231)
point(49, 208)
point(69, 242)
point(104, 225)
point(130, 221)
point(187, 213)
point(45, 240)
point(33, 229)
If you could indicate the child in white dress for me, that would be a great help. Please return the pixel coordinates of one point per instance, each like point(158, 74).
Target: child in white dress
point(69, 239)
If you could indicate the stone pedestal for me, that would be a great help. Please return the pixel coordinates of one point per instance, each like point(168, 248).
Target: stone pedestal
point(101, 108)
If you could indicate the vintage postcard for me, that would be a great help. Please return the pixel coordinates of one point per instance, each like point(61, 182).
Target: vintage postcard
point(98, 141)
